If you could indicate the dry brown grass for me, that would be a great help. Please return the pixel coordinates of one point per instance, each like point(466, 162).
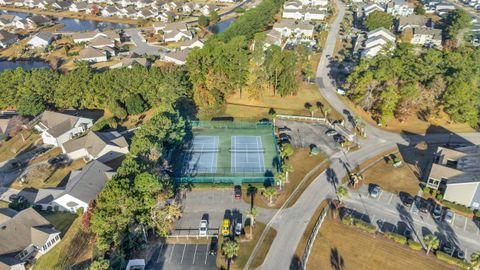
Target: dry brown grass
point(308, 231)
point(302, 163)
point(352, 249)
point(16, 145)
point(46, 156)
point(392, 179)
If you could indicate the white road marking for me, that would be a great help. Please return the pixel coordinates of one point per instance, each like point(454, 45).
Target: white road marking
point(183, 253)
point(195, 254)
point(160, 253)
point(171, 254)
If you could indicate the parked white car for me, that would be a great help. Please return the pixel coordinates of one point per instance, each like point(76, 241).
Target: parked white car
point(203, 229)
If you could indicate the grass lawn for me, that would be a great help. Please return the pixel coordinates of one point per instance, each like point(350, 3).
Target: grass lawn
point(46, 156)
point(74, 250)
point(243, 108)
point(3, 204)
point(302, 163)
point(60, 220)
point(43, 176)
point(343, 247)
point(246, 248)
point(16, 145)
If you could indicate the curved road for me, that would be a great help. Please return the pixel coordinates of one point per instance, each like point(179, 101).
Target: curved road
point(290, 223)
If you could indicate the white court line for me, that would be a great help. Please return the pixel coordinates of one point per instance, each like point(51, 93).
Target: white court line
point(234, 158)
point(195, 254)
point(183, 253)
point(171, 254)
point(258, 154)
point(212, 158)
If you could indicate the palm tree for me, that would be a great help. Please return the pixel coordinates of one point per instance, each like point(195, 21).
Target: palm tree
point(279, 178)
point(326, 111)
point(361, 128)
point(342, 192)
point(475, 260)
point(287, 168)
point(270, 193)
point(253, 212)
point(230, 250)
point(431, 241)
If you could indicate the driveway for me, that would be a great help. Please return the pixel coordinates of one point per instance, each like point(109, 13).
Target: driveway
point(305, 134)
point(213, 205)
point(181, 257)
point(389, 214)
point(143, 48)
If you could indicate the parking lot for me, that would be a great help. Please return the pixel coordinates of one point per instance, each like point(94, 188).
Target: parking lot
point(388, 213)
point(181, 256)
point(213, 205)
point(303, 134)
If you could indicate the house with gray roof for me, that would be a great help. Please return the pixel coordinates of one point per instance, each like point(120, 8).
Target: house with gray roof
point(412, 21)
point(83, 186)
point(41, 39)
point(101, 146)
point(24, 236)
point(129, 62)
point(7, 39)
point(427, 37)
point(177, 57)
point(58, 128)
point(456, 173)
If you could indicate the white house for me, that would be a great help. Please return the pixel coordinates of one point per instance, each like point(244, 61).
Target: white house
point(291, 28)
point(368, 9)
point(88, 36)
point(176, 36)
point(92, 55)
point(58, 128)
point(293, 5)
point(296, 14)
point(41, 39)
point(427, 37)
point(192, 43)
point(83, 186)
point(319, 2)
point(177, 57)
point(7, 39)
point(24, 235)
point(101, 146)
point(400, 8)
point(314, 14)
point(377, 41)
point(78, 6)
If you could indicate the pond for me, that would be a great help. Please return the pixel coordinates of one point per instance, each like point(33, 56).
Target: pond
point(25, 64)
point(72, 25)
point(221, 26)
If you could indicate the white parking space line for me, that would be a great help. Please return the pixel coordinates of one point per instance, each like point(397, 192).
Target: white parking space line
point(206, 255)
point(171, 254)
point(195, 254)
point(183, 253)
point(390, 200)
point(160, 253)
point(379, 196)
point(465, 225)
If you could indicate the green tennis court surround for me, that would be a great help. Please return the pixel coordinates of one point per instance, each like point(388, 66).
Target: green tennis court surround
point(227, 152)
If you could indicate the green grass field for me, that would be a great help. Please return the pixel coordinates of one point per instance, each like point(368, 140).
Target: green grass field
point(224, 155)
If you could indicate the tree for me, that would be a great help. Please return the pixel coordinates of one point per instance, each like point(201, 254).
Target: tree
point(99, 264)
point(279, 178)
point(270, 193)
point(214, 17)
point(378, 19)
point(342, 192)
point(287, 168)
point(230, 249)
point(31, 105)
point(475, 260)
point(87, 216)
point(457, 20)
point(326, 111)
point(419, 9)
point(135, 104)
point(431, 241)
point(203, 21)
point(286, 150)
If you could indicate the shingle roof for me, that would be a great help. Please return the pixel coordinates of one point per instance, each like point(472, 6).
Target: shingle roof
point(6, 214)
point(57, 123)
point(95, 142)
point(87, 184)
point(90, 52)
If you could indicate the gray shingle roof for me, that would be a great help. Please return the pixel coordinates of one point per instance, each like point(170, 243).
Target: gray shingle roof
point(57, 123)
point(89, 182)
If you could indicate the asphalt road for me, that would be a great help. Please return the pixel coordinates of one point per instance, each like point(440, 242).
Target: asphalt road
point(142, 47)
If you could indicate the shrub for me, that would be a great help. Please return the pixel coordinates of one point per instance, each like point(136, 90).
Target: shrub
point(49, 208)
point(135, 104)
point(477, 213)
point(396, 237)
point(458, 207)
point(452, 260)
point(37, 207)
point(414, 245)
point(439, 197)
point(117, 109)
point(434, 193)
point(31, 105)
point(55, 208)
point(347, 220)
point(426, 190)
point(364, 226)
point(79, 211)
point(286, 150)
point(105, 123)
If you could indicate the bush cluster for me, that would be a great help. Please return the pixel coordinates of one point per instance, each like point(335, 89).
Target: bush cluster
point(414, 245)
point(458, 207)
point(452, 260)
point(396, 237)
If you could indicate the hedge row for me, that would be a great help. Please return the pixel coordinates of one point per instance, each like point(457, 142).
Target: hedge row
point(360, 224)
point(396, 237)
point(458, 207)
point(414, 245)
point(451, 260)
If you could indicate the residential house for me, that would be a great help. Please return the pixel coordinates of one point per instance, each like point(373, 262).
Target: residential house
point(188, 8)
point(145, 14)
point(24, 235)
point(110, 11)
point(159, 26)
point(177, 57)
point(58, 128)
point(22, 24)
point(191, 43)
point(273, 37)
point(176, 36)
point(293, 5)
point(368, 9)
point(102, 41)
point(38, 21)
point(61, 5)
point(92, 55)
point(83, 186)
point(10, 125)
point(312, 14)
point(427, 37)
point(7, 39)
point(41, 39)
point(400, 8)
point(456, 173)
point(318, 2)
point(443, 8)
point(129, 62)
point(291, 28)
point(206, 9)
point(296, 14)
point(7, 20)
point(377, 41)
point(412, 21)
point(89, 36)
point(78, 7)
point(101, 146)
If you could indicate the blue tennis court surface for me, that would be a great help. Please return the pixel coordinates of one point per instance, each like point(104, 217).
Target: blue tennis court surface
point(247, 154)
point(201, 157)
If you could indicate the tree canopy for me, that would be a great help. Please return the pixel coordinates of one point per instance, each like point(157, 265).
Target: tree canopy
point(378, 19)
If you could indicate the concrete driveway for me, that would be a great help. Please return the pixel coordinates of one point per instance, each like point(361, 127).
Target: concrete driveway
point(213, 205)
point(305, 134)
point(389, 214)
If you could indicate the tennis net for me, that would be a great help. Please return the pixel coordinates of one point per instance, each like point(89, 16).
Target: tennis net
point(247, 150)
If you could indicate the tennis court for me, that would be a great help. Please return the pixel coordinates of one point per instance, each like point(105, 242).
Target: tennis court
point(226, 152)
point(247, 154)
point(201, 156)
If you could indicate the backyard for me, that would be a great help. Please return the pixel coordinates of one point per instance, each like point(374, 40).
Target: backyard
point(343, 247)
point(18, 144)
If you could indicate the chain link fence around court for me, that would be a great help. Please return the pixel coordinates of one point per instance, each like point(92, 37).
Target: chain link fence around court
point(226, 155)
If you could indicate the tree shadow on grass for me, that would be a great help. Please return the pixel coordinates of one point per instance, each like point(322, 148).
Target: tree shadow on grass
point(336, 260)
